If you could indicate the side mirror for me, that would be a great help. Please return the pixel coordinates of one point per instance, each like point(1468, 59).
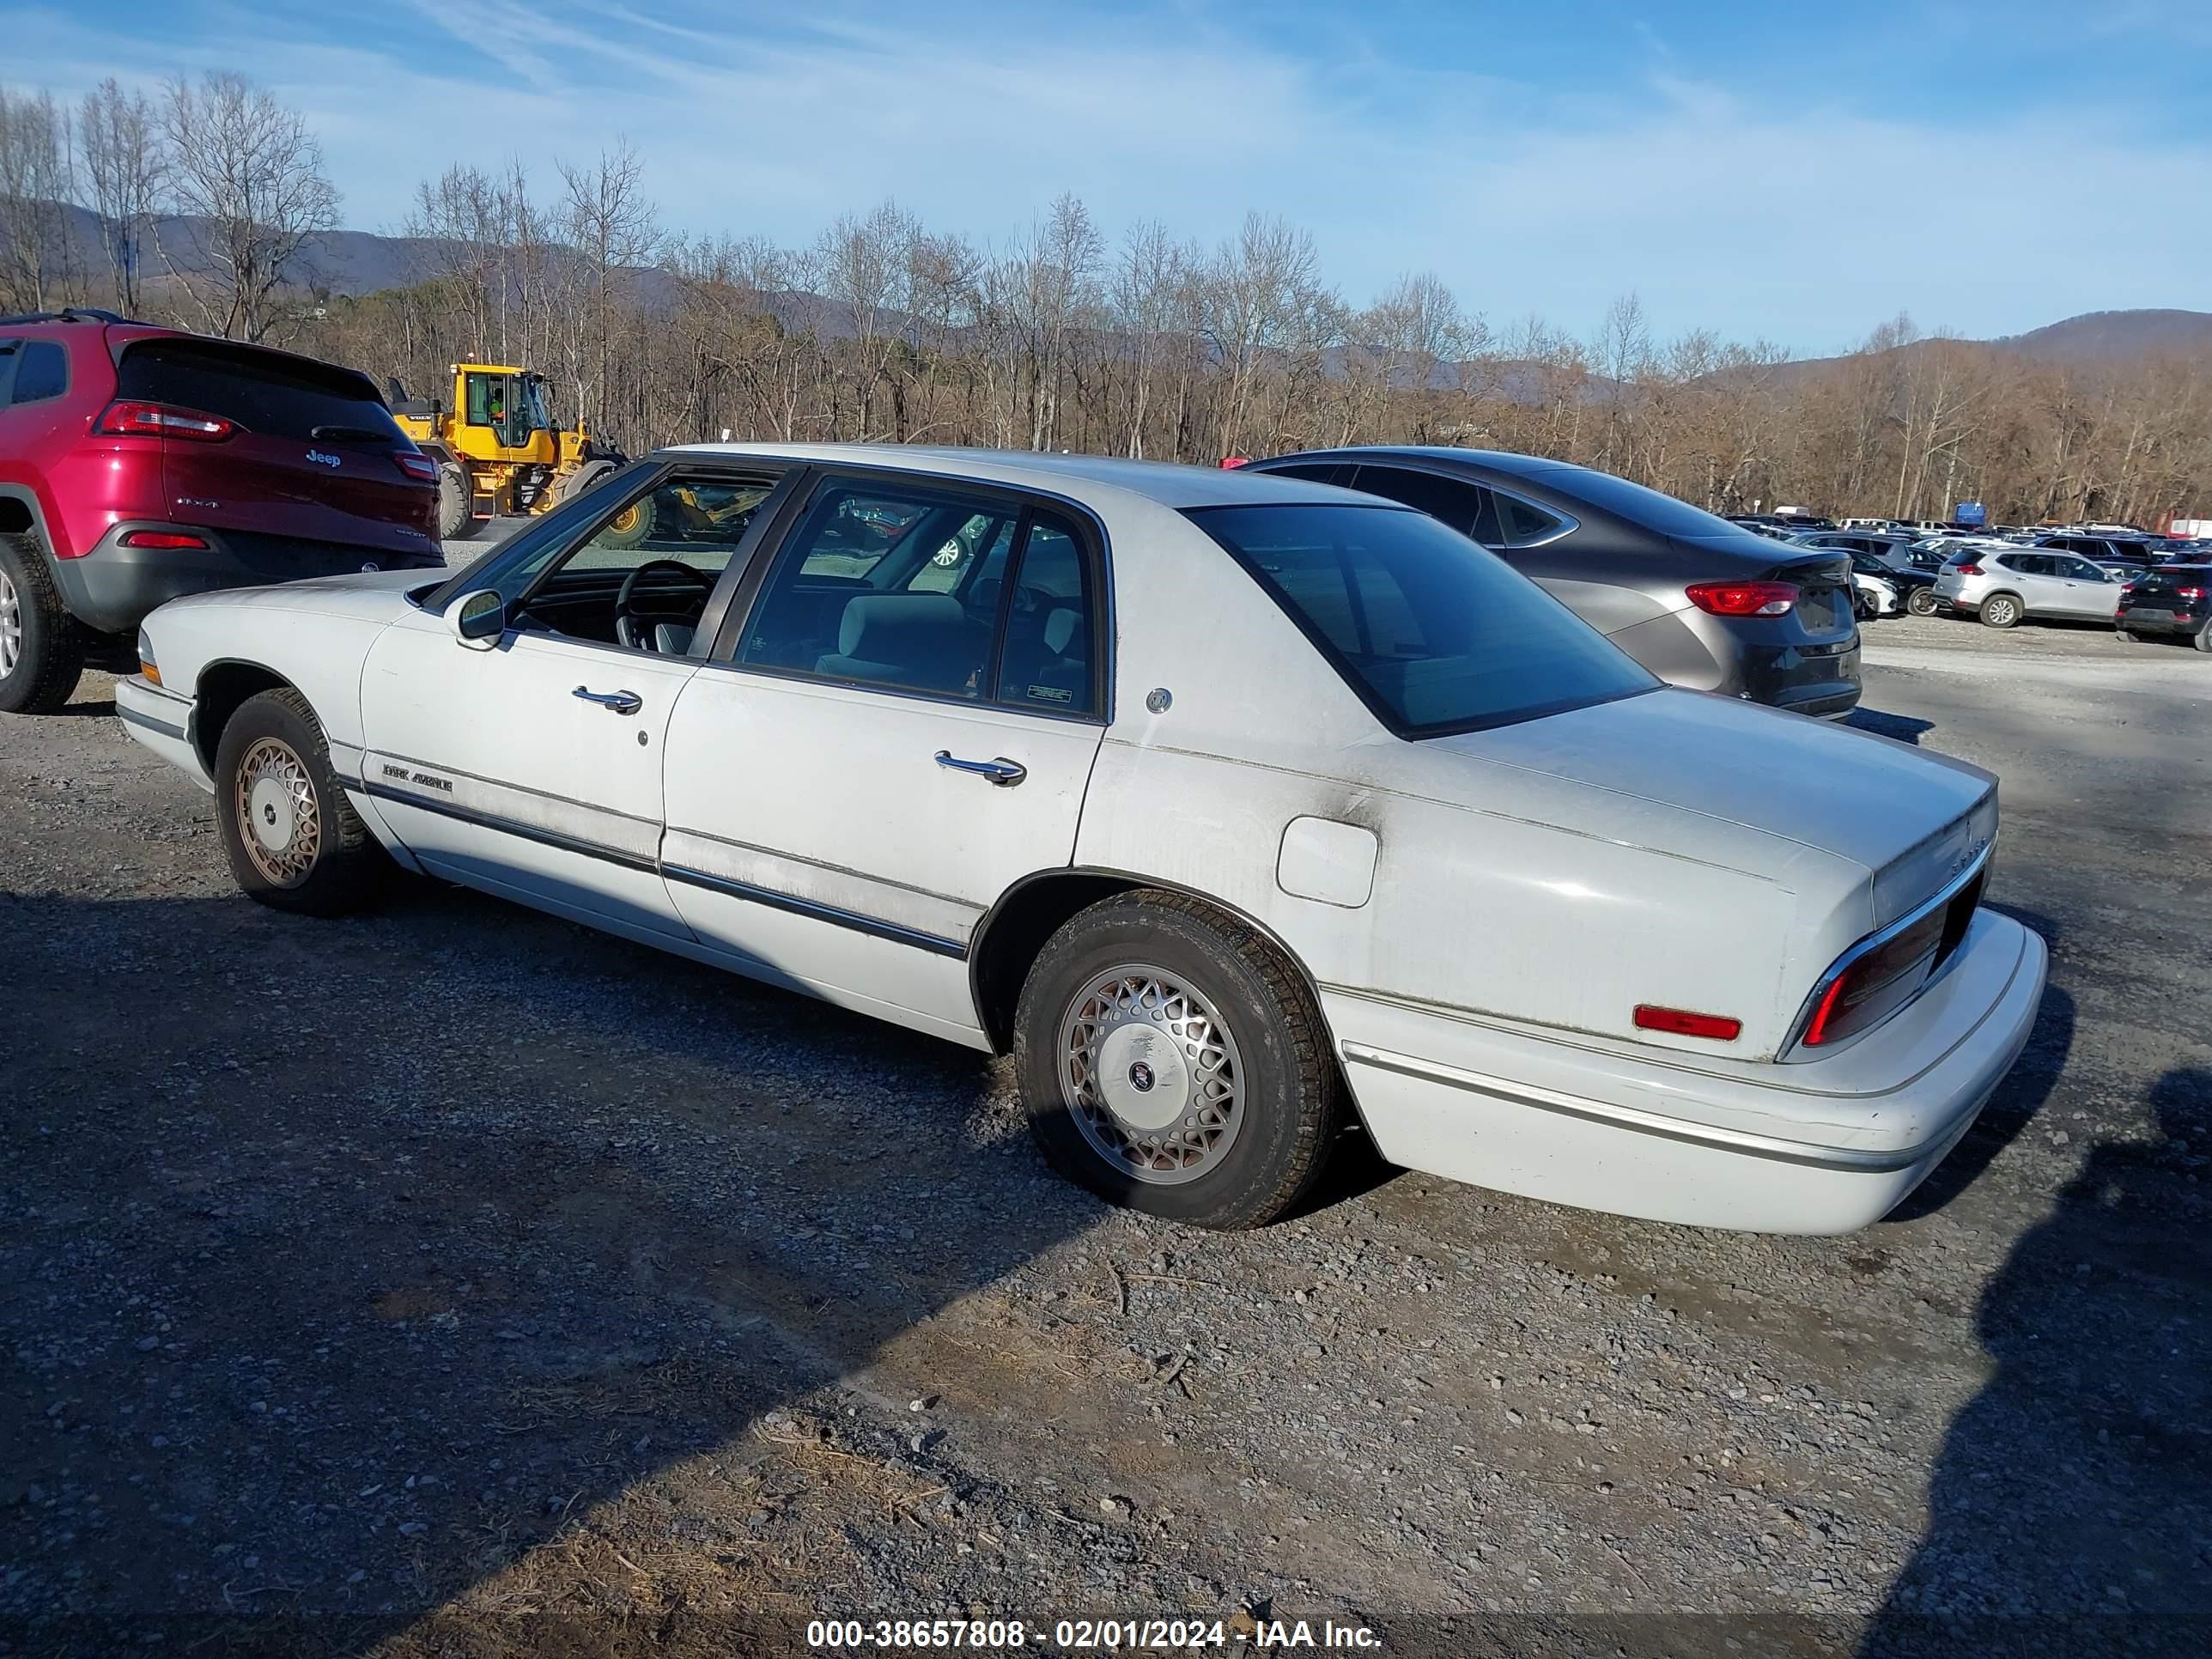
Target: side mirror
point(478, 619)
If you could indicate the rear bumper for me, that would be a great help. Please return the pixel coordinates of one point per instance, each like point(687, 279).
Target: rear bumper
point(2135, 622)
point(1824, 1147)
point(112, 588)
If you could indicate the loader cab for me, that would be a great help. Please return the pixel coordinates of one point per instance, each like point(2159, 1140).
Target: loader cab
point(506, 406)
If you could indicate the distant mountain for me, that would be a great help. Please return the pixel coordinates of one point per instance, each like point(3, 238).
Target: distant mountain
point(352, 263)
point(2105, 337)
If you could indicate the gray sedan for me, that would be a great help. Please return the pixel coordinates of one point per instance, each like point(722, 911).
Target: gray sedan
point(1698, 601)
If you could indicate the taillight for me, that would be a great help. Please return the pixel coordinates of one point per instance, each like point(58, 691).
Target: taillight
point(421, 468)
point(2188, 592)
point(123, 419)
point(1967, 569)
point(167, 538)
point(1870, 984)
point(1742, 598)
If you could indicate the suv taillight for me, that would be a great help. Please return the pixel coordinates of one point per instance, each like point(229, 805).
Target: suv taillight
point(2190, 593)
point(421, 468)
point(1966, 569)
point(127, 419)
point(1742, 598)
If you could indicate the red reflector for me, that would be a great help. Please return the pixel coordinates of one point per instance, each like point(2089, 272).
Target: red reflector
point(421, 467)
point(1651, 1018)
point(1743, 599)
point(159, 538)
point(126, 419)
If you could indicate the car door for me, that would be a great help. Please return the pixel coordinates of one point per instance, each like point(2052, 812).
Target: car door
point(900, 727)
point(2091, 592)
point(2031, 576)
point(530, 763)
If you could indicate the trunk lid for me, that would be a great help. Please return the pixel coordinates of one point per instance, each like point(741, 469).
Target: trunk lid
point(1911, 818)
point(312, 457)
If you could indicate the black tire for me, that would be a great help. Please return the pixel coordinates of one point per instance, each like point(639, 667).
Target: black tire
point(456, 517)
point(589, 475)
point(2001, 610)
point(1861, 607)
point(2204, 641)
point(1289, 1107)
point(1921, 602)
point(2123, 636)
point(345, 868)
point(48, 644)
point(630, 527)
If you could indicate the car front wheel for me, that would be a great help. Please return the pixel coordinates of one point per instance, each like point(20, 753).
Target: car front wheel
point(1171, 1061)
point(1999, 610)
point(293, 841)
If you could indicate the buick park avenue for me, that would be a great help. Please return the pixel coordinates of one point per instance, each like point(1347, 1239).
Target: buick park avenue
point(1239, 809)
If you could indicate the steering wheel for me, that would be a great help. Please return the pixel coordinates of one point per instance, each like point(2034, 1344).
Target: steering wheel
point(635, 629)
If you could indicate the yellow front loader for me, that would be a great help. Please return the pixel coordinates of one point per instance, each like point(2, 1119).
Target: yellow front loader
point(497, 450)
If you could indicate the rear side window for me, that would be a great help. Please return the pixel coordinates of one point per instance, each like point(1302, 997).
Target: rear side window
point(1524, 524)
point(1466, 508)
point(1433, 634)
point(42, 371)
point(277, 396)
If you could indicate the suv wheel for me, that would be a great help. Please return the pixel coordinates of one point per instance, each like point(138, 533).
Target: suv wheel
point(1170, 1061)
point(1999, 610)
point(41, 645)
point(293, 841)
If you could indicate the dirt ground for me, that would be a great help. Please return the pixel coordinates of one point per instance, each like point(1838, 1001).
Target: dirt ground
point(455, 1282)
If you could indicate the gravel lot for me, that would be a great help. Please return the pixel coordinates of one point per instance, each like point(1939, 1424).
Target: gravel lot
point(457, 1282)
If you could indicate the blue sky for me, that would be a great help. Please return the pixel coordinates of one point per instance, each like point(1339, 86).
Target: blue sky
point(1794, 172)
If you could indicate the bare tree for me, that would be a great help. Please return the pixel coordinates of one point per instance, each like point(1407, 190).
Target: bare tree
point(246, 182)
point(120, 155)
point(866, 262)
point(35, 184)
point(612, 230)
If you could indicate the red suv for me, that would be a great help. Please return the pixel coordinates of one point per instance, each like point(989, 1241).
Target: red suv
point(138, 463)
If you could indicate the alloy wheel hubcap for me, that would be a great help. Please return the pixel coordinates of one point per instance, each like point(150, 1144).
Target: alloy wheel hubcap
point(277, 808)
point(11, 628)
point(1152, 1074)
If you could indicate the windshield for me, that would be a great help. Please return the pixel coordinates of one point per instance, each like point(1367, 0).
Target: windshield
point(532, 406)
point(1435, 634)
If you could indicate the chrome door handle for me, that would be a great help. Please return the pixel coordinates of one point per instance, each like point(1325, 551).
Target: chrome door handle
point(615, 703)
point(1003, 772)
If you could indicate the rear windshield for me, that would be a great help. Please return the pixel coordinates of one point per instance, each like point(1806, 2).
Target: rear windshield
point(1434, 633)
point(1648, 508)
point(2166, 578)
point(263, 391)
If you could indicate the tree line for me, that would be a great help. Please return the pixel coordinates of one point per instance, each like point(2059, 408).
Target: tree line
point(209, 197)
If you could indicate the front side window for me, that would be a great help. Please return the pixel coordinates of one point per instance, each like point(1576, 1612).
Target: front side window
point(640, 576)
point(1435, 634)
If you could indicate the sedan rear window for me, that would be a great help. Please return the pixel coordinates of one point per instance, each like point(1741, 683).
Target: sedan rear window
point(1434, 633)
point(269, 392)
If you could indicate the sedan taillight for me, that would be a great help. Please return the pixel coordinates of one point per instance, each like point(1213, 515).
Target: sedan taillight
point(126, 419)
point(1871, 984)
point(1742, 598)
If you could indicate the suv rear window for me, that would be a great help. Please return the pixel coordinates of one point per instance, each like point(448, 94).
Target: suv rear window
point(278, 396)
point(1435, 634)
point(2166, 578)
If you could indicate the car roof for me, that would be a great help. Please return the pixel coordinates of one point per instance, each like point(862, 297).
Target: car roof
point(1165, 484)
point(1497, 460)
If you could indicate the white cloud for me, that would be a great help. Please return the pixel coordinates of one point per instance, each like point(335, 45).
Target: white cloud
point(1789, 213)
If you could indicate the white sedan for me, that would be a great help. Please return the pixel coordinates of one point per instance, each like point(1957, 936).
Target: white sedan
point(1235, 807)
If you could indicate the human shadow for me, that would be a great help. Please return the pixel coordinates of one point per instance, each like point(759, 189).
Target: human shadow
point(1904, 728)
point(2070, 1511)
point(344, 1263)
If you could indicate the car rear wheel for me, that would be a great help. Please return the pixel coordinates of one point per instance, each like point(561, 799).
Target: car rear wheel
point(1171, 1061)
point(42, 646)
point(293, 841)
point(1921, 602)
point(1999, 610)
